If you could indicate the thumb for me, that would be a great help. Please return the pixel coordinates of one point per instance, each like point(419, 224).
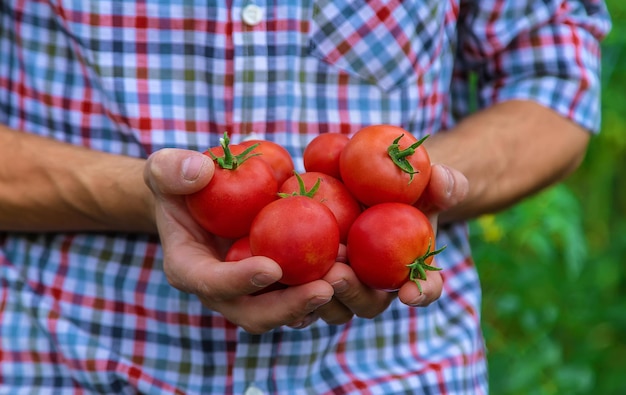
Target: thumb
point(447, 188)
point(172, 171)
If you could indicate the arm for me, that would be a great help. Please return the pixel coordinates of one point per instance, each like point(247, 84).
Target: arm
point(507, 153)
point(538, 91)
point(46, 185)
point(192, 264)
point(49, 186)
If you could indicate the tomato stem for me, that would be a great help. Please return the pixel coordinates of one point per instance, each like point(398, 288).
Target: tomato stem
point(303, 192)
point(399, 157)
point(419, 267)
point(230, 161)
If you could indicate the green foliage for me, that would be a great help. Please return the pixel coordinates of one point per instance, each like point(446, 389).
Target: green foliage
point(554, 301)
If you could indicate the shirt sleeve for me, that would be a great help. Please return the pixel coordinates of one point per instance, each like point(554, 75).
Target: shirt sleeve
point(546, 51)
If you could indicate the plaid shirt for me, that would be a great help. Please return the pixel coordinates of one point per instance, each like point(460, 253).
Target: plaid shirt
point(93, 313)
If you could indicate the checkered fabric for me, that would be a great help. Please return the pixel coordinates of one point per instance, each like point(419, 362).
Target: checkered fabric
point(93, 313)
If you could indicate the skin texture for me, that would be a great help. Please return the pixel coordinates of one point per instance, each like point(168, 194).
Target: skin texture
point(506, 153)
point(46, 185)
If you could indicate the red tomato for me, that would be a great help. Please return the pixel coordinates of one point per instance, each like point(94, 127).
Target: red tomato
point(373, 176)
point(390, 244)
point(332, 193)
point(276, 156)
point(322, 153)
point(300, 234)
point(239, 250)
point(234, 196)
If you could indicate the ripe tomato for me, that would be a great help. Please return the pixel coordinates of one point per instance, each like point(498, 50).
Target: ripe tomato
point(384, 163)
point(239, 250)
point(390, 244)
point(300, 234)
point(241, 186)
point(322, 153)
point(329, 191)
point(275, 155)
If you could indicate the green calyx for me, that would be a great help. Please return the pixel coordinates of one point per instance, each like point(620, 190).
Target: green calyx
point(302, 190)
point(399, 157)
point(230, 161)
point(419, 267)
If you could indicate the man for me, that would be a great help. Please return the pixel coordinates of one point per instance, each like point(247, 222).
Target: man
point(109, 286)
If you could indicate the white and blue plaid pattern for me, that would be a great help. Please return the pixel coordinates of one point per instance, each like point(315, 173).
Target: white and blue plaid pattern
point(88, 313)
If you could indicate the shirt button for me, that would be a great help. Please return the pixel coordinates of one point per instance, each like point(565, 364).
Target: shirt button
point(253, 390)
point(252, 14)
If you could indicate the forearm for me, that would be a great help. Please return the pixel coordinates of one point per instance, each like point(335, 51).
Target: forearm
point(46, 185)
point(508, 152)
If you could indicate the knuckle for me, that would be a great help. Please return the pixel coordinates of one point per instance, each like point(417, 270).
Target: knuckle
point(375, 307)
point(154, 171)
point(335, 315)
point(208, 292)
point(174, 279)
point(349, 295)
point(255, 329)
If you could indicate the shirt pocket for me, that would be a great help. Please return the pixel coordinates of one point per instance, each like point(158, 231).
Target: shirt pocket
point(387, 43)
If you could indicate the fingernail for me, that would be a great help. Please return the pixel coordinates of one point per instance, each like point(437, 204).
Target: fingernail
point(192, 167)
point(308, 320)
point(298, 325)
point(262, 280)
point(317, 301)
point(419, 301)
point(340, 286)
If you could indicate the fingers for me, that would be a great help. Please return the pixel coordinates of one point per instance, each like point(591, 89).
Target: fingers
point(447, 188)
point(192, 261)
point(294, 306)
point(410, 294)
point(202, 273)
point(351, 297)
point(173, 171)
point(230, 288)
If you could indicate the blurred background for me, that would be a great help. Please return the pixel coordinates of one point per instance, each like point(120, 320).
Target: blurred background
point(553, 268)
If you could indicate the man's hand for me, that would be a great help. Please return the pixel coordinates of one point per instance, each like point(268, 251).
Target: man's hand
point(447, 188)
point(192, 257)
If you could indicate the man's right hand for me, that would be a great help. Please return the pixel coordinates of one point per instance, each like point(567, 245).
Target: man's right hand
point(192, 256)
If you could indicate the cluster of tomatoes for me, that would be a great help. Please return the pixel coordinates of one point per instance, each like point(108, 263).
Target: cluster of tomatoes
point(359, 191)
